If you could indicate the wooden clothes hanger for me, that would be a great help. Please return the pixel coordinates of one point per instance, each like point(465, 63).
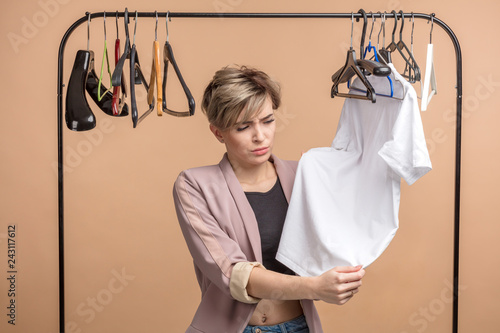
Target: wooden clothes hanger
point(155, 77)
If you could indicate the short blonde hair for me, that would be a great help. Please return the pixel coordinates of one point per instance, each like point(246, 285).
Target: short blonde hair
point(236, 89)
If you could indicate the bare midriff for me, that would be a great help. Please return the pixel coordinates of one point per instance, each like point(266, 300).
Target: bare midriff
point(273, 312)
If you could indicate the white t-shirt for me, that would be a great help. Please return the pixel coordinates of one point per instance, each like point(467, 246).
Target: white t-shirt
point(345, 201)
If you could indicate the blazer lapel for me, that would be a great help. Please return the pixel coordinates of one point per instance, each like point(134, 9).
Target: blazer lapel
point(244, 208)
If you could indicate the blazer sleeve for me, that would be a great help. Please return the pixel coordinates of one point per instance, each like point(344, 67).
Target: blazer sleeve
point(213, 251)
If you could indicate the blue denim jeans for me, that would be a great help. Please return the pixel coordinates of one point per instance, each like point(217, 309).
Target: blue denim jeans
point(297, 325)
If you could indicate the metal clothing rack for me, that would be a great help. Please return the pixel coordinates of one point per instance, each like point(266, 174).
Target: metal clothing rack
point(458, 133)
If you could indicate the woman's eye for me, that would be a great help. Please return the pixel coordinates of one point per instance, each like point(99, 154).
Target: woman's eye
point(269, 121)
point(239, 129)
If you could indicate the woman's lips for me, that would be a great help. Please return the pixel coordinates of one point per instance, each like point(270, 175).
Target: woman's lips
point(260, 151)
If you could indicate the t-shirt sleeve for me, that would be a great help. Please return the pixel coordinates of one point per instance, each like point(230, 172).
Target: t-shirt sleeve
point(406, 152)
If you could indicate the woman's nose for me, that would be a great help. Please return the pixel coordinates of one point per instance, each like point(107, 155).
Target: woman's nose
point(258, 134)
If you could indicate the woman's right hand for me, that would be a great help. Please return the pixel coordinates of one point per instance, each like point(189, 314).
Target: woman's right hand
point(339, 284)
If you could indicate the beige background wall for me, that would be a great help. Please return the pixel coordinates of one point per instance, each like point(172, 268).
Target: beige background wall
point(127, 267)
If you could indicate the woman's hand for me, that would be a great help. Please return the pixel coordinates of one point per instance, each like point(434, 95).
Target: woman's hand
point(339, 284)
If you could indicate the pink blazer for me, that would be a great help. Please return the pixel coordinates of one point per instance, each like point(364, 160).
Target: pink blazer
point(220, 230)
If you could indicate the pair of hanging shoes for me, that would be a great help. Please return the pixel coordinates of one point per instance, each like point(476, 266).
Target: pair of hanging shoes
point(79, 116)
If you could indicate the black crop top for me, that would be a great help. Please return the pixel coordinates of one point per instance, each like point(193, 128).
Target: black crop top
point(270, 211)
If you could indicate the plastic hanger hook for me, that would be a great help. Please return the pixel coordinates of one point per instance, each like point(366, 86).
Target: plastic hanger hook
point(117, 34)
point(373, 24)
point(156, 26)
point(168, 18)
point(135, 26)
point(88, 31)
point(432, 26)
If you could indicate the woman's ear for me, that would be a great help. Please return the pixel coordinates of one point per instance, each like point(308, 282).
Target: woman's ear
point(217, 133)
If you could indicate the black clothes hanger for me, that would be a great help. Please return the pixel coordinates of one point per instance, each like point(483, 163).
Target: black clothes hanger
point(412, 71)
point(168, 57)
point(411, 66)
point(79, 116)
point(352, 65)
point(137, 77)
point(386, 52)
point(116, 78)
point(358, 67)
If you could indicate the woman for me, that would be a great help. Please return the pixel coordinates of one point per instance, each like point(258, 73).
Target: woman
point(232, 214)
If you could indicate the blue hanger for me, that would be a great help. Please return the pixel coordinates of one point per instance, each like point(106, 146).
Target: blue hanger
point(374, 49)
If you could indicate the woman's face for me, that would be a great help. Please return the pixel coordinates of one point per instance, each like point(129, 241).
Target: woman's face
point(250, 143)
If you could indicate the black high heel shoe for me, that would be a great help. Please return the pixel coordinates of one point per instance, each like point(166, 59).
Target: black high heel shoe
point(106, 102)
point(79, 116)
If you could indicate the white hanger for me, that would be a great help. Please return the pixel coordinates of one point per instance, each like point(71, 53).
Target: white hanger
point(430, 75)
